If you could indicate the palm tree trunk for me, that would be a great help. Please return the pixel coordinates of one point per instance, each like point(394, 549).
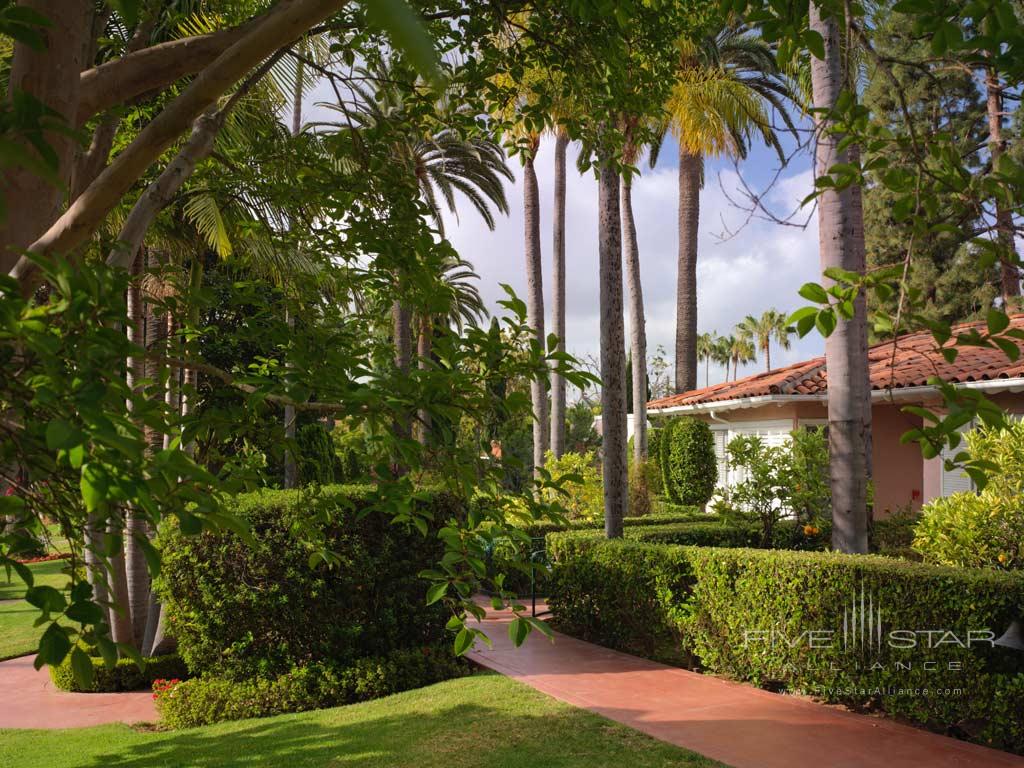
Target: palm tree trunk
point(535, 303)
point(1010, 274)
point(637, 323)
point(558, 294)
point(291, 468)
point(840, 242)
point(401, 321)
point(691, 172)
point(613, 354)
point(768, 356)
point(707, 371)
point(424, 348)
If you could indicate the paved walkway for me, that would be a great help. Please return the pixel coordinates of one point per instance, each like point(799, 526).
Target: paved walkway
point(737, 724)
point(28, 699)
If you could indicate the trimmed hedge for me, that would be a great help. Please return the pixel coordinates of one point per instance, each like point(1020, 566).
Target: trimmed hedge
point(208, 700)
point(689, 470)
point(241, 611)
point(317, 461)
point(717, 533)
point(747, 614)
point(125, 675)
point(657, 518)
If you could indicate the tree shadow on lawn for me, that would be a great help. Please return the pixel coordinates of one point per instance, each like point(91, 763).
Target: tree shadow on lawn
point(465, 735)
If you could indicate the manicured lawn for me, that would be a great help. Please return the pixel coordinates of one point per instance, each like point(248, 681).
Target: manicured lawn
point(483, 720)
point(17, 635)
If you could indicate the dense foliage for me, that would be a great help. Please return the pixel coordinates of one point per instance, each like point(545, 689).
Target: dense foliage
point(778, 482)
point(747, 614)
point(126, 675)
point(317, 460)
point(985, 529)
point(207, 700)
point(687, 456)
point(366, 599)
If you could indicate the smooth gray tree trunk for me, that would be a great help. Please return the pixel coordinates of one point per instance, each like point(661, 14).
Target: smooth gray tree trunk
point(558, 398)
point(637, 324)
point(424, 349)
point(841, 245)
point(691, 173)
point(613, 353)
point(535, 304)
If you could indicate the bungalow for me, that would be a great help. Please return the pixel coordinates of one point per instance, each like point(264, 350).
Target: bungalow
point(774, 403)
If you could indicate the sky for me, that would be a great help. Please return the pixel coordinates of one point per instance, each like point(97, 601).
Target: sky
point(761, 267)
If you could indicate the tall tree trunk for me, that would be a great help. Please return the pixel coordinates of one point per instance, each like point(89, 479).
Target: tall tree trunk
point(424, 349)
point(840, 242)
point(558, 294)
point(401, 322)
point(291, 467)
point(768, 356)
point(1009, 272)
point(637, 323)
point(613, 353)
point(51, 75)
point(691, 173)
point(535, 302)
point(136, 573)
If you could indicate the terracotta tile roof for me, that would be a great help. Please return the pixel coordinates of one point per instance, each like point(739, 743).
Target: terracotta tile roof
point(916, 360)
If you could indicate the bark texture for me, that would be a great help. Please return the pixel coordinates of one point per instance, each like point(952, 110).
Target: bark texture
point(691, 173)
point(613, 354)
point(841, 243)
point(558, 293)
point(281, 26)
point(1009, 271)
point(535, 303)
point(637, 324)
point(51, 76)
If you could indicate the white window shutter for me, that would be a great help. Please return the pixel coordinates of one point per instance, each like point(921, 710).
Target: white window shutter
point(955, 480)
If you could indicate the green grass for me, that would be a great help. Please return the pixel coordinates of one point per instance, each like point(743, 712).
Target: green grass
point(17, 635)
point(483, 720)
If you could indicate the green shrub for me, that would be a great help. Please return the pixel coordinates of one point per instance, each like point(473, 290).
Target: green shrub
point(688, 467)
point(640, 504)
point(585, 499)
point(208, 700)
point(241, 611)
point(746, 614)
point(986, 529)
point(125, 675)
point(316, 455)
point(351, 462)
point(778, 482)
point(718, 533)
point(894, 535)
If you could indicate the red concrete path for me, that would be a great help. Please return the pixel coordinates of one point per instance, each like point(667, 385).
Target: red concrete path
point(737, 724)
point(28, 699)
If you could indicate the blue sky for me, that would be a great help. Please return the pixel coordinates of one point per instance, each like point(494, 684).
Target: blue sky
point(761, 267)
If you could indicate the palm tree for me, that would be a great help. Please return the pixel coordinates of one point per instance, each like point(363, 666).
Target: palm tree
point(741, 351)
point(761, 330)
point(535, 293)
point(841, 238)
point(707, 344)
point(637, 321)
point(722, 353)
point(727, 88)
point(558, 291)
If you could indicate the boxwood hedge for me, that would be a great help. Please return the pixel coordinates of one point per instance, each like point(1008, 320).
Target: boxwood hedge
point(243, 611)
point(125, 675)
point(776, 618)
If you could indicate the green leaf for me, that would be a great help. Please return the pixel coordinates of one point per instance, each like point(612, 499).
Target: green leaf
point(81, 667)
point(463, 641)
point(94, 486)
point(53, 646)
point(997, 321)
point(408, 35)
point(46, 598)
point(518, 629)
point(825, 322)
point(814, 292)
point(85, 612)
point(436, 592)
point(59, 434)
point(107, 650)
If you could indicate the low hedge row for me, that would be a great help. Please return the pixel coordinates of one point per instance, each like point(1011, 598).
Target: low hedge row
point(125, 675)
point(681, 514)
point(788, 535)
point(777, 618)
point(207, 700)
